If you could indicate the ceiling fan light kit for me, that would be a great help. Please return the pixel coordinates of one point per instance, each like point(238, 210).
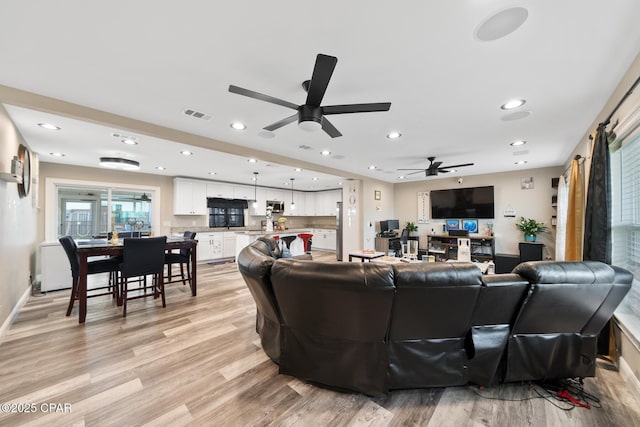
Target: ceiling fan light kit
point(310, 115)
point(119, 163)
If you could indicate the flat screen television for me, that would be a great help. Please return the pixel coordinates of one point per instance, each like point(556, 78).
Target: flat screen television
point(473, 202)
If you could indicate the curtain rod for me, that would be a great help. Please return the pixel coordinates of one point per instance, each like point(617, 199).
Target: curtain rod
point(580, 160)
point(624, 98)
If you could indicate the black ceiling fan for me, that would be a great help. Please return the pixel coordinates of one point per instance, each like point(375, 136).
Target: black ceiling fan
point(434, 168)
point(310, 115)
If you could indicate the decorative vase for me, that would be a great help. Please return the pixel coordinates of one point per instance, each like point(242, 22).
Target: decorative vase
point(529, 238)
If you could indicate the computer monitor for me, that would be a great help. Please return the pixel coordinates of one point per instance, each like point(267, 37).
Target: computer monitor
point(393, 224)
point(384, 227)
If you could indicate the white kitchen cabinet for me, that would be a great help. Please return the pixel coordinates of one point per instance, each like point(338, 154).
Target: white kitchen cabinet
point(310, 204)
point(229, 244)
point(279, 195)
point(244, 192)
point(210, 246)
point(220, 189)
point(326, 202)
point(299, 201)
point(261, 203)
point(324, 239)
point(189, 197)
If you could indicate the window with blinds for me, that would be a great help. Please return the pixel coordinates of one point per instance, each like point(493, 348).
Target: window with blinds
point(625, 222)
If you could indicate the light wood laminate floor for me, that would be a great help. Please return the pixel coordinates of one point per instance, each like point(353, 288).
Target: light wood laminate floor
point(199, 362)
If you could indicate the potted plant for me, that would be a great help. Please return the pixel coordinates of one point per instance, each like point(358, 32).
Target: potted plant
point(412, 227)
point(531, 228)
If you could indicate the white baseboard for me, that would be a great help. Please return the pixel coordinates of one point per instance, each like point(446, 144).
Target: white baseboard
point(629, 377)
point(7, 323)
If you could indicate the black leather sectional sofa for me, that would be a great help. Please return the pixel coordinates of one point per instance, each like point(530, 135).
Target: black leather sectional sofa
point(373, 327)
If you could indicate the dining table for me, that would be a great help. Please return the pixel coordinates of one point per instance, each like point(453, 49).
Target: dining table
point(103, 247)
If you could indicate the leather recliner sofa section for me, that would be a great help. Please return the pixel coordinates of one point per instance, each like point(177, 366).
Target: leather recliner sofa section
point(371, 327)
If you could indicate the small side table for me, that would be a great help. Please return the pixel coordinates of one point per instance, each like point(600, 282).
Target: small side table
point(363, 255)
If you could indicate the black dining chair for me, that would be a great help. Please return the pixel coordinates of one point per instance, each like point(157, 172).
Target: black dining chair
point(142, 257)
point(106, 265)
point(183, 258)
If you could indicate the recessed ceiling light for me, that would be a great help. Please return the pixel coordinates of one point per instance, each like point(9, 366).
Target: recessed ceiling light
point(130, 141)
point(501, 24)
point(252, 161)
point(160, 168)
point(186, 153)
point(514, 103)
point(325, 152)
point(453, 170)
point(57, 154)
point(372, 167)
point(238, 126)
point(394, 135)
point(49, 126)
point(518, 142)
point(315, 178)
point(298, 170)
point(286, 183)
point(212, 173)
point(521, 162)
point(340, 183)
point(401, 177)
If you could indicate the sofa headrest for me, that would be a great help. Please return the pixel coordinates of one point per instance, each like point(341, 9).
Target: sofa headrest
point(555, 272)
point(254, 260)
point(272, 245)
point(432, 274)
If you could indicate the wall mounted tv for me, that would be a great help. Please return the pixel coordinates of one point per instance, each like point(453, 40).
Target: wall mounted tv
point(474, 202)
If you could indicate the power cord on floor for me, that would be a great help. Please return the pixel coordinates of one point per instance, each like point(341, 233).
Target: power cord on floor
point(565, 394)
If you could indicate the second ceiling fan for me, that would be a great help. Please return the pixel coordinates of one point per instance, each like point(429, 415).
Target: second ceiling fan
point(311, 115)
point(434, 168)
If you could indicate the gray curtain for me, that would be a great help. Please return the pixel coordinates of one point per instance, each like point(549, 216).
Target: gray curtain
point(597, 228)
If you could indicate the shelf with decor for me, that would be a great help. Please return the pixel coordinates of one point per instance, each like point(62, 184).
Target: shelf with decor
point(445, 247)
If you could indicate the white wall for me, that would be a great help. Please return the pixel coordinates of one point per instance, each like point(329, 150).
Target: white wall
point(17, 228)
point(530, 203)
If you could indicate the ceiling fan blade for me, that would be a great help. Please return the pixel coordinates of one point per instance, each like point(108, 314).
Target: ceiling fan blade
point(261, 97)
point(435, 165)
point(443, 171)
point(330, 129)
point(413, 169)
point(413, 173)
point(457, 166)
point(322, 72)
point(280, 123)
point(356, 108)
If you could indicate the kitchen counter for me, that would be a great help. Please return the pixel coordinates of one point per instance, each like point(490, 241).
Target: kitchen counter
point(274, 232)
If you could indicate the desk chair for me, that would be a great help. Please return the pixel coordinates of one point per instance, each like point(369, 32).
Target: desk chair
point(142, 257)
point(107, 265)
point(183, 258)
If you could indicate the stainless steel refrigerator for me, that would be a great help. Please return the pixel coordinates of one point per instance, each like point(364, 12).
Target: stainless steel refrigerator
point(339, 231)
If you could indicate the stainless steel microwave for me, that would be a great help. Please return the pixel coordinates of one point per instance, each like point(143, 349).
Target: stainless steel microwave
point(275, 205)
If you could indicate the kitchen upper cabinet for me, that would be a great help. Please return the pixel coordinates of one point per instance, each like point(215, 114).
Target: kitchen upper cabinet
point(310, 204)
point(299, 202)
point(279, 195)
point(244, 192)
point(189, 197)
point(220, 189)
point(326, 202)
point(261, 203)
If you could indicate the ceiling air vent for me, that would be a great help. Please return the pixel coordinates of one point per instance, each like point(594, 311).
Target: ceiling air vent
point(197, 114)
point(123, 136)
point(304, 147)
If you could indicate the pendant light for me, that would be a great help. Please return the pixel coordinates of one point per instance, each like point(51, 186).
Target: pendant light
point(255, 190)
point(293, 206)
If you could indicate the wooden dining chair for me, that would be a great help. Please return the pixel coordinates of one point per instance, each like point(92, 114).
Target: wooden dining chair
point(183, 258)
point(106, 265)
point(142, 257)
